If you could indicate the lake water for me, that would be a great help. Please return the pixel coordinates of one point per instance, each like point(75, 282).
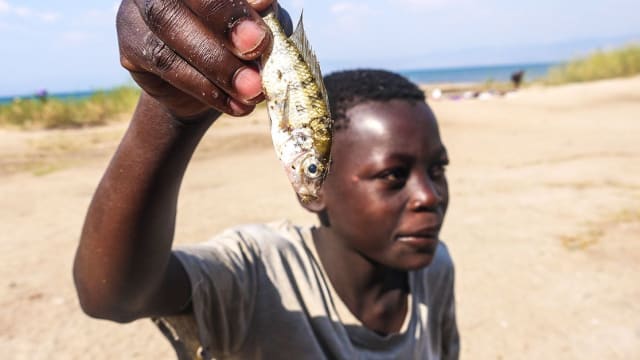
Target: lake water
point(475, 74)
point(78, 95)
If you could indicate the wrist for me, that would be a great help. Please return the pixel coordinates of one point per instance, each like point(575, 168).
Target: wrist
point(156, 110)
point(154, 129)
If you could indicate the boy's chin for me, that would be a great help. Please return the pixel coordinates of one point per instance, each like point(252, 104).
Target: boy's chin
point(414, 262)
point(420, 264)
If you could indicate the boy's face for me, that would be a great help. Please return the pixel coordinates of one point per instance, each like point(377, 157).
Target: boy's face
point(386, 193)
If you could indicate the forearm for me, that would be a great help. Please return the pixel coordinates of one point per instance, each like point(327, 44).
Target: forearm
point(125, 247)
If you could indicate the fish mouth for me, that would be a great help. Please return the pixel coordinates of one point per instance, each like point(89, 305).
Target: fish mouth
point(305, 186)
point(307, 198)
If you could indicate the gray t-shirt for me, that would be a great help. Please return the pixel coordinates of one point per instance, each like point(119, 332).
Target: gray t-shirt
point(260, 292)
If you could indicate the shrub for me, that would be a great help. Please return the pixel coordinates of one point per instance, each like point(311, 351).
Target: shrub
point(97, 109)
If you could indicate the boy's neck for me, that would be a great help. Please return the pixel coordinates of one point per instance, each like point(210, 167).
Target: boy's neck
point(375, 294)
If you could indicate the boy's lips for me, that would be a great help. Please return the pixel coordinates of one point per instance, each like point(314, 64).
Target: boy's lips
point(424, 238)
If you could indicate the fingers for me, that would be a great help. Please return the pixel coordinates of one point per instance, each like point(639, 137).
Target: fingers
point(173, 95)
point(181, 30)
point(260, 5)
point(165, 75)
point(237, 24)
point(203, 48)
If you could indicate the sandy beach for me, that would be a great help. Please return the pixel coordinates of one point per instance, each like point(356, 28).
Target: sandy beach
point(544, 224)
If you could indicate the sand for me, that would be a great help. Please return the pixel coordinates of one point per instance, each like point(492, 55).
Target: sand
point(544, 224)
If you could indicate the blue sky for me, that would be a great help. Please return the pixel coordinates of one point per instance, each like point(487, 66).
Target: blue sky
point(70, 45)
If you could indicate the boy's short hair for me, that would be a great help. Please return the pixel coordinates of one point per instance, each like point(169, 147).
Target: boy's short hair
point(347, 89)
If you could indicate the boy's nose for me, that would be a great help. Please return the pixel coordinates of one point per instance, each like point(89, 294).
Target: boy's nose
point(424, 195)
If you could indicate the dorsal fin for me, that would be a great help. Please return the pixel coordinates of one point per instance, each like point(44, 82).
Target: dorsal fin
point(299, 39)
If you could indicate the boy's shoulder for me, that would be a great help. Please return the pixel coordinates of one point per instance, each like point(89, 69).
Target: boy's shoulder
point(442, 257)
point(277, 233)
point(441, 265)
point(438, 277)
point(259, 239)
point(282, 241)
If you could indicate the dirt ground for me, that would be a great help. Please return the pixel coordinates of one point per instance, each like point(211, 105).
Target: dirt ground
point(544, 224)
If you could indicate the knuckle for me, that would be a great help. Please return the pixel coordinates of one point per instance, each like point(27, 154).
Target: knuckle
point(215, 59)
point(223, 14)
point(159, 56)
point(159, 14)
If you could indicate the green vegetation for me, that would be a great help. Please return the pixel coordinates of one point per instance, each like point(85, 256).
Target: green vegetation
point(51, 113)
point(600, 65)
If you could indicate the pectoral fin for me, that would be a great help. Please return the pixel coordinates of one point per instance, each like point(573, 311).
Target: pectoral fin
point(285, 125)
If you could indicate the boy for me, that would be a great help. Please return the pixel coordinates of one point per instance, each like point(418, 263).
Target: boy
point(371, 281)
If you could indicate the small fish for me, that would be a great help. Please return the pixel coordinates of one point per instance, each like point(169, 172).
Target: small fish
point(301, 125)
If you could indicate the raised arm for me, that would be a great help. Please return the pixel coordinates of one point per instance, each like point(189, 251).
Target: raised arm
point(194, 60)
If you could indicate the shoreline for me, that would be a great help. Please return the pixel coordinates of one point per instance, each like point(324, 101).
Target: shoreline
point(459, 74)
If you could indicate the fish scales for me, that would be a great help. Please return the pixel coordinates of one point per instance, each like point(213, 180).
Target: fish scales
point(301, 124)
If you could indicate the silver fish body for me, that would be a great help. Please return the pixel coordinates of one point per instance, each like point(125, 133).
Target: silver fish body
point(301, 124)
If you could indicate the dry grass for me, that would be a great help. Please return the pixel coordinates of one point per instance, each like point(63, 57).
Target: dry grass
point(52, 113)
point(594, 231)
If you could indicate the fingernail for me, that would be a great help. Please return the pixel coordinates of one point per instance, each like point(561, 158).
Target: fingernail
point(248, 84)
point(238, 108)
point(260, 5)
point(247, 36)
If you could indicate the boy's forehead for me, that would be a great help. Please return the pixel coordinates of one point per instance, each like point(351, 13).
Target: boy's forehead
point(390, 118)
point(381, 130)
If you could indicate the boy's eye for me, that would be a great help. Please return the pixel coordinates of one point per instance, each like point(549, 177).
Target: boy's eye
point(394, 175)
point(437, 171)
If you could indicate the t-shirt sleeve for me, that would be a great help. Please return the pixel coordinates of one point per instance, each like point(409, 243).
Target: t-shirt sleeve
point(440, 280)
point(450, 336)
point(224, 276)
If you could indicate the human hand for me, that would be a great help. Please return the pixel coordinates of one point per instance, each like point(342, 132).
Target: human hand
point(194, 55)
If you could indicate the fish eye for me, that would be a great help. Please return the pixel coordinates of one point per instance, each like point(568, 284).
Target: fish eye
point(311, 168)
